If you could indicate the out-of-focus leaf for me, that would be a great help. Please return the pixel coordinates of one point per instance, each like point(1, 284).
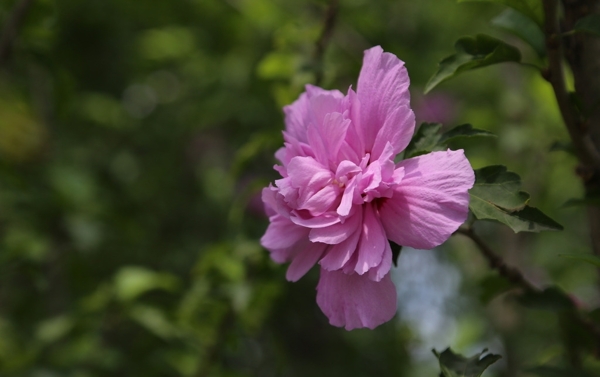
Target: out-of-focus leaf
point(562, 146)
point(464, 131)
point(590, 199)
point(471, 53)
point(396, 250)
point(492, 286)
point(499, 187)
point(531, 8)
point(523, 27)
point(552, 298)
point(153, 320)
point(166, 43)
point(547, 371)
point(589, 258)
point(496, 196)
point(453, 365)
point(130, 282)
point(588, 24)
point(53, 329)
point(277, 65)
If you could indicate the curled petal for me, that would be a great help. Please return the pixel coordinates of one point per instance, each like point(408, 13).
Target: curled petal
point(384, 100)
point(306, 257)
point(430, 202)
point(372, 242)
point(282, 233)
point(354, 301)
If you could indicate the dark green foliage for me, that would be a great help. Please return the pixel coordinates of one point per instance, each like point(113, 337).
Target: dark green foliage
point(588, 24)
point(496, 196)
point(524, 28)
point(453, 365)
point(530, 8)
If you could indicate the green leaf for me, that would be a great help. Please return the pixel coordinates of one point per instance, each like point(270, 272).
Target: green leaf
point(589, 258)
point(428, 138)
point(471, 53)
point(590, 199)
point(496, 196)
point(464, 131)
point(552, 298)
point(530, 8)
point(453, 365)
point(492, 286)
point(425, 140)
point(499, 187)
point(589, 24)
point(523, 27)
point(529, 219)
point(132, 281)
point(547, 371)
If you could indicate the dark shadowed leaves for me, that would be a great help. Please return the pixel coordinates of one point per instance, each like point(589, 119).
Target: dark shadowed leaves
point(453, 365)
point(548, 371)
point(492, 286)
point(471, 53)
point(589, 24)
point(523, 27)
point(552, 298)
point(496, 196)
point(428, 138)
point(530, 8)
point(464, 131)
point(589, 258)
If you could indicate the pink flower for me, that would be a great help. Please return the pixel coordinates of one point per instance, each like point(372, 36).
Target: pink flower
point(341, 196)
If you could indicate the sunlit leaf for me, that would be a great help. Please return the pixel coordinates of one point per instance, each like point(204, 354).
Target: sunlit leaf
point(130, 282)
point(589, 258)
point(530, 8)
point(471, 53)
point(589, 24)
point(453, 365)
point(524, 28)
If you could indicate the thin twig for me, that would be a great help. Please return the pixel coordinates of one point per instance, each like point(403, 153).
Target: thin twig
point(9, 33)
point(584, 147)
point(515, 276)
point(497, 263)
point(328, 25)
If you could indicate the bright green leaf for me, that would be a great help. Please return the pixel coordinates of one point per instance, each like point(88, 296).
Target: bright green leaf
point(551, 298)
point(471, 53)
point(130, 282)
point(464, 131)
point(523, 27)
point(589, 258)
point(530, 8)
point(498, 187)
point(589, 24)
point(453, 365)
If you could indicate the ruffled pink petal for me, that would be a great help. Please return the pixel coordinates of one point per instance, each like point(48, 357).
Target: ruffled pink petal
point(297, 116)
point(304, 260)
point(327, 137)
point(321, 201)
point(354, 301)
point(430, 202)
point(315, 222)
point(282, 233)
point(397, 130)
point(372, 242)
point(337, 233)
point(337, 256)
point(379, 272)
point(384, 100)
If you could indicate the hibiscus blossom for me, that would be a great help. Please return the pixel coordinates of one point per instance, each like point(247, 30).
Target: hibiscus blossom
point(341, 196)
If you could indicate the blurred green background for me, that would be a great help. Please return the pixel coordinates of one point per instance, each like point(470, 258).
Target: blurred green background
point(135, 137)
